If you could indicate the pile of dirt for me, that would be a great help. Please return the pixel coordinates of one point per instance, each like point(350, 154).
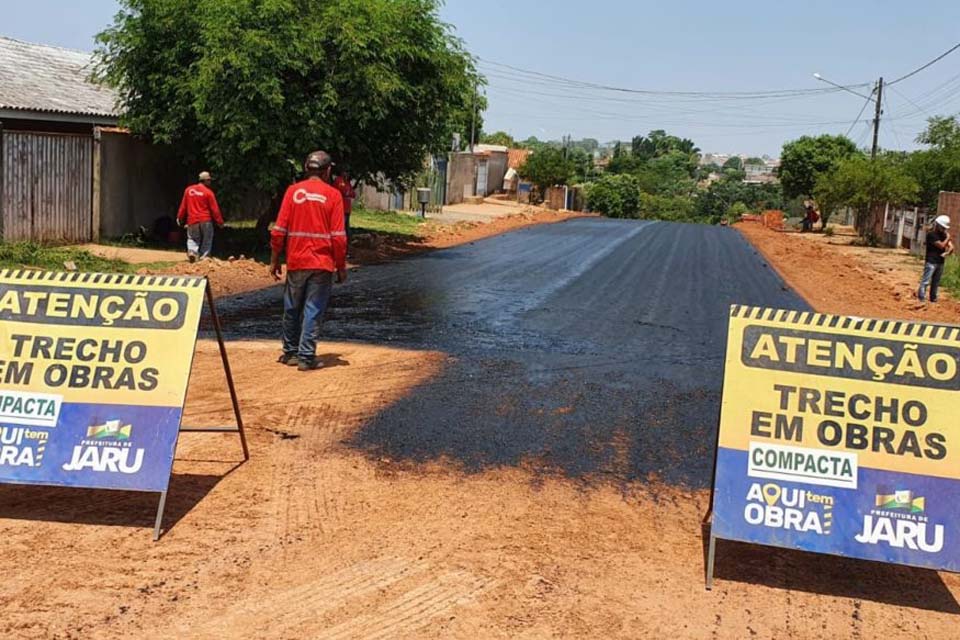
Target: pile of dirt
point(227, 277)
point(835, 276)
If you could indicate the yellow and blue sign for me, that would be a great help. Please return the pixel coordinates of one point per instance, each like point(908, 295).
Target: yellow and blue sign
point(841, 435)
point(93, 376)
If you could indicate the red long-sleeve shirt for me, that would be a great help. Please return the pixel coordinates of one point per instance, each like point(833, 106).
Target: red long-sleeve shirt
point(199, 205)
point(342, 184)
point(311, 228)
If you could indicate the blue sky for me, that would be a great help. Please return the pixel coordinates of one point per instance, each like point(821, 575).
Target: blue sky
point(680, 45)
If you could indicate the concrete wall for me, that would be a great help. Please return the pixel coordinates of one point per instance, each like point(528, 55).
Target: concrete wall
point(461, 175)
point(372, 198)
point(496, 170)
point(949, 205)
point(139, 183)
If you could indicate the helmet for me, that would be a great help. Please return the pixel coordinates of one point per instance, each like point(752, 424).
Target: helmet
point(317, 161)
point(943, 221)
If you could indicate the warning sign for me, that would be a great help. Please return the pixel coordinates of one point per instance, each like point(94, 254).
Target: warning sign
point(841, 435)
point(93, 375)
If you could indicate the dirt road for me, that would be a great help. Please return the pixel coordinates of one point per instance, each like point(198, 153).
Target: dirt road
point(512, 440)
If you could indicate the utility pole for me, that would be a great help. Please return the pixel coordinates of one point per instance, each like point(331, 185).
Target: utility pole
point(876, 120)
point(473, 118)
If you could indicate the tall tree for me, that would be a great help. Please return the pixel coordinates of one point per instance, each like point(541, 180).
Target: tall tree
point(248, 87)
point(865, 185)
point(803, 160)
point(937, 168)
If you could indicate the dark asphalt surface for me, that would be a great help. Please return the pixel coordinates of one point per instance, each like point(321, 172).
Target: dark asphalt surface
point(591, 348)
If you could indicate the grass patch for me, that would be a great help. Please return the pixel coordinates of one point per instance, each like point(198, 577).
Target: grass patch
point(951, 276)
point(388, 222)
point(18, 255)
point(240, 237)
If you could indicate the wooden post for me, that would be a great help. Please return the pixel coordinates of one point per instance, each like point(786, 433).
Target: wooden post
point(97, 189)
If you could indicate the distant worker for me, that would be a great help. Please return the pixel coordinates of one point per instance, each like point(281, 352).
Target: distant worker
point(345, 187)
point(310, 227)
point(199, 211)
point(810, 217)
point(939, 246)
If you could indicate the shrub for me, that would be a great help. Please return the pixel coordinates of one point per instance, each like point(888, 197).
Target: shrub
point(615, 196)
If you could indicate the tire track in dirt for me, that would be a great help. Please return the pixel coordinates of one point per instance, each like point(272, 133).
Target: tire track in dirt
point(413, 610)
point(292, 611)
point(303, 505)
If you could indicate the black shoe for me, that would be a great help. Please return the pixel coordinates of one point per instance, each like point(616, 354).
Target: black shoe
point(289, 359)
point(310, 365)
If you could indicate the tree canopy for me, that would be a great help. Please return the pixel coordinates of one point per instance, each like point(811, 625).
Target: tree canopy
point(937, 168)
point(803, 160)
point(547, 167)
point(248, 87)
point(864, 185)
point(499, 138)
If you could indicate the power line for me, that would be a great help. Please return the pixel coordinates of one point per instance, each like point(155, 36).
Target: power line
point(919, 108)
point(896, 135)
point(929, 64)
point(709, 94)
point(862, 109)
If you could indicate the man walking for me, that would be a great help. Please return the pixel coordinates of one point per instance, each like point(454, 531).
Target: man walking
point(345, 187)
point(939, 246)
point(199, 211)
point(310, 228)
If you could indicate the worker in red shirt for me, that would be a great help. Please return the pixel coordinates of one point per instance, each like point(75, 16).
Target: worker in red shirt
point(199, 211)
point(343, 185)
point(310, 228)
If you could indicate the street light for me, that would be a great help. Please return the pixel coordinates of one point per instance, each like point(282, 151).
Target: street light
point(840, 86)
point(878, 91)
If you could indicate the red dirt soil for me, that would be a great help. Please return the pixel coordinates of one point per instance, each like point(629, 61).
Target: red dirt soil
point(314, 539)
point(837, 277)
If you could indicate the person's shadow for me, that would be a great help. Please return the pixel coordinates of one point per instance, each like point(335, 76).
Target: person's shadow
point(331, 360)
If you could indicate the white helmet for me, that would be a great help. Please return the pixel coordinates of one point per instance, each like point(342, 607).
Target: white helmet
point(943, 221)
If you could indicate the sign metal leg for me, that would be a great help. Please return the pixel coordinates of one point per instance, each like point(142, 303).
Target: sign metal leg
point(226, 368)
point(159, 522)
point(711, 552)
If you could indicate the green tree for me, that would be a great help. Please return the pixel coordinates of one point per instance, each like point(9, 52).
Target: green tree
point(546, 168)
point(942, 132)
point(754, 161)
point(582, 164)
point(615, 196)
point(499, 138)
point(733, 164)
point(865, 185)
point(938, 168)
point(667, 175)
point(803, 160)
point(248, 87)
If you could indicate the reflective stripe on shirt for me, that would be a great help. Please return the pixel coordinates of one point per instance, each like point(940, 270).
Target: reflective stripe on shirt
point(304, 234)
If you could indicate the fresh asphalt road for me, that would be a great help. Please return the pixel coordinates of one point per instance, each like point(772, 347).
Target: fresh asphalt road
point(591, 348)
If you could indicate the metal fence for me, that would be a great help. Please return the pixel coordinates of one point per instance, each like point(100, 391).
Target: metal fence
point(46, 187)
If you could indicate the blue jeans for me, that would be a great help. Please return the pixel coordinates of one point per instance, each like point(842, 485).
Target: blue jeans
point(305, 299)
point(200, 239)
point(931, 278)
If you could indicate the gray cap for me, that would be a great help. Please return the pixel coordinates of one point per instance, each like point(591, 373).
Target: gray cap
point(205, 175)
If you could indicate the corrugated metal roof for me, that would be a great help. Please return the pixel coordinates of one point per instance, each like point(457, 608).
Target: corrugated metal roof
point(37, 77)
